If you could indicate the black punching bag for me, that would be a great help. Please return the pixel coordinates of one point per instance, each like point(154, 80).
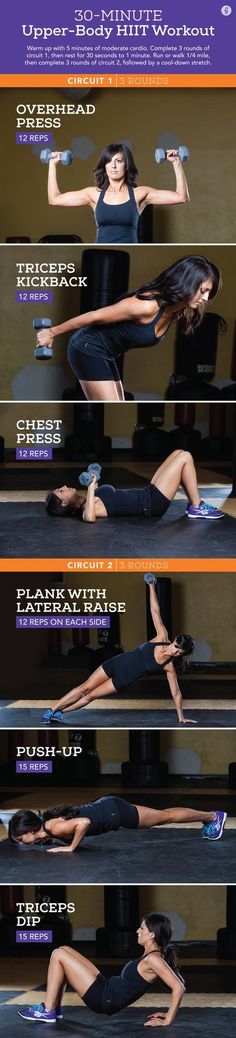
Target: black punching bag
point(121, 916)
point(226, 936)
point(144, 768)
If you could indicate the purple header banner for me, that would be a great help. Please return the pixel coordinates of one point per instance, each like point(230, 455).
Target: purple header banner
point(34, 138)
point(64, 38)
point(34, 453)
point(32, 296)
point(25, 621)
point(38, 767)
point(33, 936)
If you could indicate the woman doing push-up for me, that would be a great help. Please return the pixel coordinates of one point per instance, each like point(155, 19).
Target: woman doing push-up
point(71, 824)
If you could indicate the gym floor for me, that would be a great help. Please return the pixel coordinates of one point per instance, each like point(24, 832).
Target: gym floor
point(28, 532)
point(202, 1014)
point(172, 854)
point(207, 714)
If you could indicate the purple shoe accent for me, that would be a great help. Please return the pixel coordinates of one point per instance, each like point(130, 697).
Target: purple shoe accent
point(214, 830)
point(39, 1013)
point(204, 511)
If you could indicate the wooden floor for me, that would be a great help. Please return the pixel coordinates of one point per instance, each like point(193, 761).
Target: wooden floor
point(150, 1000)
point(129, 704)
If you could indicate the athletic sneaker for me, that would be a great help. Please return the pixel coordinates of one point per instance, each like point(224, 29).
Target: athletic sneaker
point(39, 1013)
point(57, 716)
point(214, 829)
point(52, 715)
point(47, 716)
point(204, 511)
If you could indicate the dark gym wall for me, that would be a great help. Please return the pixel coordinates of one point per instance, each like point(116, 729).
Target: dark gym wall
point(202, 910)
point(140, 117)
point(119, 422)
point(178, 748)
point(144, 370)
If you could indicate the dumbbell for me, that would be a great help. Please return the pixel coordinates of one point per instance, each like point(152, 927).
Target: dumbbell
point(66, 156)
point(161, 154)
point(85, 478)
point(42, 352)
point(150, 578)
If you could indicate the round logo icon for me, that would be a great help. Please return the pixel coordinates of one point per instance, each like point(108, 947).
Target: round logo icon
point(226, 10)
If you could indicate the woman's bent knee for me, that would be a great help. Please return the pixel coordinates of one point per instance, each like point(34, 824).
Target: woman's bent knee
point(187, 456)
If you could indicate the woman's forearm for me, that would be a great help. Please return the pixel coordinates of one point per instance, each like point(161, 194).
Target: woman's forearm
point(176, 998)
point(53, 189)
point(177, 697)
point(89, 509)
point(154, 606)
point(181, 182)
point(72, 325)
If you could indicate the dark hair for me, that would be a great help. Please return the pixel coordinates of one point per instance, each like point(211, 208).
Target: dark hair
point(23, 822)
point(131, 171)
point(179, 283)
point(162, 929)
point(54, 507)
point(187, 646)
point(29, 822)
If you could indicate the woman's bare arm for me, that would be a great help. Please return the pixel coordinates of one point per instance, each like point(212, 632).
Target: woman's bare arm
point(75, 827)
point(176, 693)
point(167, 975)
point(155, 196)
point(156, 614)
point(89, 512)
point(86, 196)
point(126, 309)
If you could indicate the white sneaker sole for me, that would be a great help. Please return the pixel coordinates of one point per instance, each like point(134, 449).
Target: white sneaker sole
point(206, 517)
point(36, 1019)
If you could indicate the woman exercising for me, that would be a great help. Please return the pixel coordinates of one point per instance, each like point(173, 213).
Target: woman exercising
point(111, 994)
point(116, 201)
point(121, 671)
point(72, 824)
point(147, 502)
point(138, 320)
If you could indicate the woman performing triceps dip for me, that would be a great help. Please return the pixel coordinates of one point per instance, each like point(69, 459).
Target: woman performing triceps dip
point(116, 200)
point(119, 672)
point(137, 321)
point(110, 995)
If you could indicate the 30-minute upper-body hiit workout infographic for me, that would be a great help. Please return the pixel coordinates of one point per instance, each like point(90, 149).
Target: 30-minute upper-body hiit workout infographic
point(117, 416)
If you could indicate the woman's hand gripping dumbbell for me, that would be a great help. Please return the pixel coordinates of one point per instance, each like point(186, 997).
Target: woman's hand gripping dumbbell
point(172, 154)
point(93, 473)
point(43, 349)
point(65, 157)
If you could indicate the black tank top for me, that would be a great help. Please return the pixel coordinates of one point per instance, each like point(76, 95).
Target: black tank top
point(117, 223)
point(130, 985)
